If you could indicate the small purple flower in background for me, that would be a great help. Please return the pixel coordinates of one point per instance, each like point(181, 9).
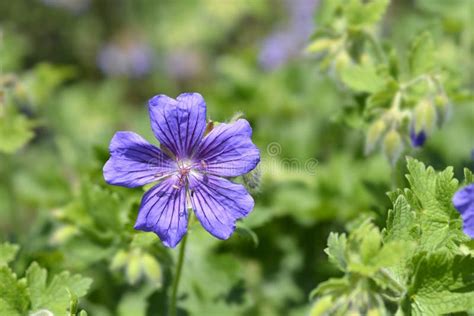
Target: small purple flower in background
point(286, 43)
point(126, 57)
point(74, 6)
point(191, 168)
point(184, 64)
point(463, 201)
point(417, 139)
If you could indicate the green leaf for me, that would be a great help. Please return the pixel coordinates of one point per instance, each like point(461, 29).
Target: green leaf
point(361, 78)
point(438, 221)
point(336, 250)
point(384, 96)
point(15, 130)
point(441, 284)
point(42, 81)
point(7, 253)
point(364, 13)
point(332, 286)
point(400, 221)
point(468, 176)
point(55, 295)
point(13, 293)
point(421, 57)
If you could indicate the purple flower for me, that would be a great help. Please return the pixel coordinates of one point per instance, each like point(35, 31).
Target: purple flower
point(74, 6)
point(417, 139)
point(190, 166)
point(463, 201)
point(126, 57)
point(287, 41)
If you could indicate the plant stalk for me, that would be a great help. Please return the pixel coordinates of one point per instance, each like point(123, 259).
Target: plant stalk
point(177, 277)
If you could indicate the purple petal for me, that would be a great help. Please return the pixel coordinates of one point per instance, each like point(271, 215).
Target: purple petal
point(134, 162)
point(178, 124)
point(228, 150)
point(163, 211)
point(218, 203)
point(417, 139)
point(463, 201)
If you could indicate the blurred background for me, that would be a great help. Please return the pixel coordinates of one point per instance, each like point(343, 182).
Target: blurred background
point(73, 72)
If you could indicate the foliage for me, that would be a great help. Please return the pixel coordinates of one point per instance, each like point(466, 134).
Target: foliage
point(373, 73)
point(394, 99)
point(418, 264)
point(34, 293)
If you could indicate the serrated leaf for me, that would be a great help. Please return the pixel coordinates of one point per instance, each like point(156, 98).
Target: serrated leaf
point(421, 56)
point(442, 284)
point(7, 309)
point(370, 244)
point(468, 176)
point(336, 250)
point(7, 253)
point(13, 293)
point(361, 78)
point(400, 221)
point(439, 224)
point(54, 296)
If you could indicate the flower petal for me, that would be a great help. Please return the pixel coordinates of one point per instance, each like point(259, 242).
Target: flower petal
point(218, 203)
point(134, 162)
point(463, 201)
point(163, 211)
point(228, 150)
point(178, 124)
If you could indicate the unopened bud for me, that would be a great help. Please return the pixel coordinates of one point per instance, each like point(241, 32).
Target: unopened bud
point(342, 60)
point(424, 117)
point(392, 146)
point(152, 269)
point(63, 234)
point(321, 45)
point(134, 268)
point(119, 260)
point(373, 135)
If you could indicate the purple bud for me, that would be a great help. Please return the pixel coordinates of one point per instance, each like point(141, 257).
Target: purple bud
point(417, 139)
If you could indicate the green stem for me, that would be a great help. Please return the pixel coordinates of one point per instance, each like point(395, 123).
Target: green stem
point(174, 291)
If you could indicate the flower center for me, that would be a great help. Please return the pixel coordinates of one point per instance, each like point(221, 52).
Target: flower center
point(184, 168)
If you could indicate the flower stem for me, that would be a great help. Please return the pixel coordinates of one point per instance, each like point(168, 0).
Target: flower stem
point(174, 290)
